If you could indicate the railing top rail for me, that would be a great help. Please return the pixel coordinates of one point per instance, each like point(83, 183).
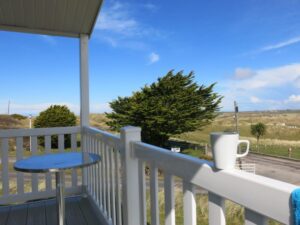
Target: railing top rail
point(107, 137)
point(11, 133)
point(263, 195)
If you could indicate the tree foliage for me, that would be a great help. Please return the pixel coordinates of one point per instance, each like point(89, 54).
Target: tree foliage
point(258, 130)
point(173, 105)
point(56, 116)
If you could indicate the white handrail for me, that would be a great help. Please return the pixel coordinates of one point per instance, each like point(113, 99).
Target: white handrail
point(12, 193)
point(263, 195)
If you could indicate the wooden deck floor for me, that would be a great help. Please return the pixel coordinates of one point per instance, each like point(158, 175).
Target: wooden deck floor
point(78, 212)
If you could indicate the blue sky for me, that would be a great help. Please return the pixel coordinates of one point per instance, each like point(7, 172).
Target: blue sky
point(250, 48)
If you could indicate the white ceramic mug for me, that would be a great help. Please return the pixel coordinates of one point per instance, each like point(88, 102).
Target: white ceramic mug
point(224, 149)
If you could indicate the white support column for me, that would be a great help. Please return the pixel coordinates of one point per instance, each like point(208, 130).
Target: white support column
point(84, 81)
point(84, 96)
point(130, 178)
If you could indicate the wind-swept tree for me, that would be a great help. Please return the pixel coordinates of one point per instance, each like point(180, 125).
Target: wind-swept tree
point(173, 105)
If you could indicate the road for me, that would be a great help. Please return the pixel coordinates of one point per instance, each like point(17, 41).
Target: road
point(277, 168)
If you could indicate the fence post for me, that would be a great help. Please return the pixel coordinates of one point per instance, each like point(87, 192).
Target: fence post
point(130, 178)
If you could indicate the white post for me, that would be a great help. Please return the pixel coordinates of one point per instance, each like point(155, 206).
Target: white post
point(84, 96)
point(84, 81)
point(130, 178)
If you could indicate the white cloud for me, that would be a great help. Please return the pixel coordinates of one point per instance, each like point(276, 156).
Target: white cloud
point(265, 89)
point(293, 99)
point(49, 39)
point(267, 78)
point(255, 99)
point(282, 44)
point(153, 58)
point(118, 19)
point(119, 26)
point(241, 73)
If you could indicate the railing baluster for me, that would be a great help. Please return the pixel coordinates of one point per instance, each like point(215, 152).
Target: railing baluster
point(118, 193)
point(20, 176)
point(142, 186)
point(216, 209)
point(189, 204)
point(94, 170)
point(61, 143)
point(104, 180)
point(169, 199)
point(107, 182)
point(48, 176)
point(113, 187)
point(100, 181)
point(97, 174)
point(154, 194)
point(34, 176)
point(253, 218)
point(74, 149)
point(4, 161)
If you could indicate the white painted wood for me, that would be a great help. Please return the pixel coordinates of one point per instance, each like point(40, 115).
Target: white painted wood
point(253, 218)
point(112, 186)
point(19, 155)
point(142, 192)
point(154, 208)
point(11, 133)
point(48, 176)
point(130, 179)
point(61, 143)
point(169, 199)
point(4, 162)
point(34, 176)
point(84, 81)
point(189, 204)
point(103, 178)
point(110, 139)
point(83, 148)
point(100, 181)
point(245, 189)
point(107, 182)
point(216, 209)
point(118, 187)
point(74, 149)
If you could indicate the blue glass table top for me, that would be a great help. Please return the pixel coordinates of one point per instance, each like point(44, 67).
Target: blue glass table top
point(56, 162)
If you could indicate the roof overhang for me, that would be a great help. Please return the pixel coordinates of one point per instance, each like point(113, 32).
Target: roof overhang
point(69, 18)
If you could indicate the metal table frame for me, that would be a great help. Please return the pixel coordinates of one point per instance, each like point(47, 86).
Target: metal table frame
point(59, 173)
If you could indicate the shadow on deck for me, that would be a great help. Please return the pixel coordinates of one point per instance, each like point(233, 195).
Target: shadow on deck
point(79, 211)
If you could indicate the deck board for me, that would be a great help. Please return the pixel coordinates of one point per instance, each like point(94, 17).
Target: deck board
point(36, 213)
point(4, 212)
point(78, 212)
point(17, 215)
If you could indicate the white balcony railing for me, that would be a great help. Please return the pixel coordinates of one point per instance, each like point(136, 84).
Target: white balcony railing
point(18, 143)
point(118, 184)
point(261, 197)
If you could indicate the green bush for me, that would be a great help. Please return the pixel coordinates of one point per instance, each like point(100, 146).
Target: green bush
point(56, 116)
point(18, 116)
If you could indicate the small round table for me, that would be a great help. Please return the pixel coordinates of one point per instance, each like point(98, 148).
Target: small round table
point(57, 163)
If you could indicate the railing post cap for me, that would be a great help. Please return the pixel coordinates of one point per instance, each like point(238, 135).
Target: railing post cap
point(131, 129)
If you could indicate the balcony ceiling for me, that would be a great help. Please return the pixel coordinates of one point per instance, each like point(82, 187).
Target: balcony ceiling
point(52, 17)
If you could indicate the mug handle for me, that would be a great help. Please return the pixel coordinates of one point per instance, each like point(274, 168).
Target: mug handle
point(247, 149)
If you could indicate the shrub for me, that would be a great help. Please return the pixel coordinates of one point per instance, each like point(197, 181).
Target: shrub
point(56, 116)
point(18, 116)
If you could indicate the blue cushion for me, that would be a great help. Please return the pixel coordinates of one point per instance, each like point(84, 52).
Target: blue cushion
point(296, 205)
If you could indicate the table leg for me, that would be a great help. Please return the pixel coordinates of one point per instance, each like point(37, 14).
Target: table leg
point(60, 200)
